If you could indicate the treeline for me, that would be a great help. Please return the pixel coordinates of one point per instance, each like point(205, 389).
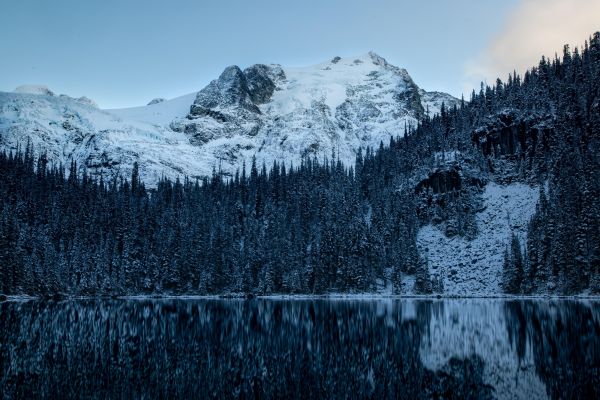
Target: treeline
point(313, 229)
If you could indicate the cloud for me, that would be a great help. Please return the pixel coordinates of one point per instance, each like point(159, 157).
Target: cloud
point(533, 29)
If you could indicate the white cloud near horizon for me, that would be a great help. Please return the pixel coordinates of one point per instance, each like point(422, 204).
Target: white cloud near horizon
point(533, 29)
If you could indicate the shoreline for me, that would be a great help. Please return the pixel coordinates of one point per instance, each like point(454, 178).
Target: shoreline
point(303, 297)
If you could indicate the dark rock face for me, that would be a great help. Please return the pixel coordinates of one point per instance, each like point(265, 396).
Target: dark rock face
point(230, 90)
point(200, 111)
point(260, 82)
point(440, 182)
point(450, 197)
point(507, 134)
point(228, 106)
point(412, 97)
point(156, 101)
point(236, 89)
point(232, 102)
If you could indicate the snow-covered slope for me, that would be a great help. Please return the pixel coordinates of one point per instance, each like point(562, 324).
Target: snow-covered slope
point(159, 111)
point(432, 101)
point(101, 142)
point(474, 267)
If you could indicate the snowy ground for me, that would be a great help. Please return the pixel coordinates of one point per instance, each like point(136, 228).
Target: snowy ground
point(474, 268)
point(161, 114)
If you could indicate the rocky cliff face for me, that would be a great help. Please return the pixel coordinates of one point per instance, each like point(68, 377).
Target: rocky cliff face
point(265, 111)
point(228, 106)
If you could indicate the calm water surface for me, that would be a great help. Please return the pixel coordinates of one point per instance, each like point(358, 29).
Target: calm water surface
point(300, 349)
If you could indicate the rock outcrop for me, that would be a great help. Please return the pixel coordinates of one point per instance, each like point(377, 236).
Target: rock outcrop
point(156, 100)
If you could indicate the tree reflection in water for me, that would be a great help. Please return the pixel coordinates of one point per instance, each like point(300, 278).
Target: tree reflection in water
point(564, 338)
point(273, 349)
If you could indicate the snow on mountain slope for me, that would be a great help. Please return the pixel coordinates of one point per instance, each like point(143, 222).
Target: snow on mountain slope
point(68, 129)
point(475, 267)
point(343, 80)
point(161, 112)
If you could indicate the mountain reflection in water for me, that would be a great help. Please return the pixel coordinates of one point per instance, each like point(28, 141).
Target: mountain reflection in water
point(300, 349)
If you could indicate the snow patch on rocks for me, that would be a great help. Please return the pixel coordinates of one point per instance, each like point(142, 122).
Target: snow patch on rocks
point(432, 102)
point(474, 267)
point(34, 89)
point(87, 101)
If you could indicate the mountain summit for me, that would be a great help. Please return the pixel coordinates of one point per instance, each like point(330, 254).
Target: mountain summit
point(265, 111)
point(285, 113)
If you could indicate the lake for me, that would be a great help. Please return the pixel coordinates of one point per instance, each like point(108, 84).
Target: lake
point(264, 348)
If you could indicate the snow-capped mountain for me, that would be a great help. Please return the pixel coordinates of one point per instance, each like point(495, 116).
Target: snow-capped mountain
point(337, 106)
point(265, 111)
point(69, 129)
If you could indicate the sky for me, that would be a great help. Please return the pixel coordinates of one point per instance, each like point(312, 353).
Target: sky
point(123, 53)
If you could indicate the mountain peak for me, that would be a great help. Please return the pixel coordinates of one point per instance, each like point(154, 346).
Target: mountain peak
point(34, 89)
point(345, 103)
point(366, 58)
point(377, 59)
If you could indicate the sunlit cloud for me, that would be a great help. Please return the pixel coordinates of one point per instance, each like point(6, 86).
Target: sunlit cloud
point(533, 29)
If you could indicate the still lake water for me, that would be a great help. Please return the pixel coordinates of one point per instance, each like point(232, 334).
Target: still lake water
point(300, 349)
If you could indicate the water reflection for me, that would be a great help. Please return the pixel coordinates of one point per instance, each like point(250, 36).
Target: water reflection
point(300, 349)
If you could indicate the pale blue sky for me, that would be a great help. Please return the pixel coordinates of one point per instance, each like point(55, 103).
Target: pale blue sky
point(124, 53)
